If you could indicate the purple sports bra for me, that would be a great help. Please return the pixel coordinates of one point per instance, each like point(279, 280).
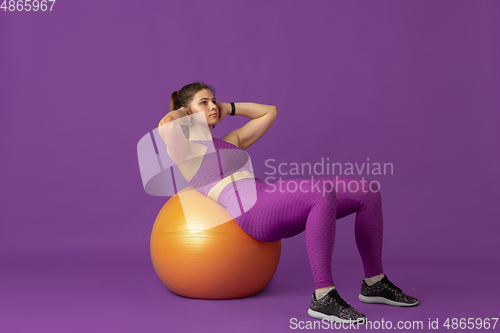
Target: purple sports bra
point(220, 160)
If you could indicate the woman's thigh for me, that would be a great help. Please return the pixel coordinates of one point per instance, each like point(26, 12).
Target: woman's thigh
point(282, 209)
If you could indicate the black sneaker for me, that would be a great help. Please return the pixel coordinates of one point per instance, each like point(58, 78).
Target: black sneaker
point(334, 308)
point(385, 292)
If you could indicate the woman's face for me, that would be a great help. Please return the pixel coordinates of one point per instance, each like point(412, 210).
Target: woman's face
point(204, 101)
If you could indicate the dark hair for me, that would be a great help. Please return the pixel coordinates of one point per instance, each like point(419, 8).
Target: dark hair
point(184, 97)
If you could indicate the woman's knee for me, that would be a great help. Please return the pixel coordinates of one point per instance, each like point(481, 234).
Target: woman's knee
point(372, 191)
point(327, 192)
point(370, 187)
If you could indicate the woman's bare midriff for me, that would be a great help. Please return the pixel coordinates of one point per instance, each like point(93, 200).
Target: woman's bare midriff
point(217, 189)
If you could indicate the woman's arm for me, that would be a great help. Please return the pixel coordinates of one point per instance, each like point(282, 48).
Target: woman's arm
point(171, 132)
point(262, 118)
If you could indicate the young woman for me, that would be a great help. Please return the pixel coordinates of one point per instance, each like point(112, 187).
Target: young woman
point(270, 214)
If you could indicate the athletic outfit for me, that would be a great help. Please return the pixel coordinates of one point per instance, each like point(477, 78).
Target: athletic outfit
point(270, 212)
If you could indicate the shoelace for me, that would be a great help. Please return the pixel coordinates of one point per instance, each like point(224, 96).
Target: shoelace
point(340, 301)
point(392, 286)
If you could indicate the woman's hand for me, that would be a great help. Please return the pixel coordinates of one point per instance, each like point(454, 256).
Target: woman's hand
point(224, 109)
point(185, 116)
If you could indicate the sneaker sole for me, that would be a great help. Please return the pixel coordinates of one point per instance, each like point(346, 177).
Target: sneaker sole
point(382, 300)
point(320, 315)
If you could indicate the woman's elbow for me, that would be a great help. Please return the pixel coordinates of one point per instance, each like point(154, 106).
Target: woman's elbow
point(164, 121)
point(273, 110)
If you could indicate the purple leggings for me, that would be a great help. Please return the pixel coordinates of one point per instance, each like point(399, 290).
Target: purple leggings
point(270, 212)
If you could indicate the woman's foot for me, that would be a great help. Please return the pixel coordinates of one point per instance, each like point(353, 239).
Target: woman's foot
point(385, 292)
point(334, 308)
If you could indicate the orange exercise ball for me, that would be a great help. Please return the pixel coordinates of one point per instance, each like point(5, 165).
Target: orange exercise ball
point(199, 251)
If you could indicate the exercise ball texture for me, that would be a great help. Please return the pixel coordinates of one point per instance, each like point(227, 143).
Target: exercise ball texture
point(197, 256)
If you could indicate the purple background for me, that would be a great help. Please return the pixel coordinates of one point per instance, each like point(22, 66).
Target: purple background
point(413, 83)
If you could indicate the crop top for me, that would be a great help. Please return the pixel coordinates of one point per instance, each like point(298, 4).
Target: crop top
point(220, 160)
